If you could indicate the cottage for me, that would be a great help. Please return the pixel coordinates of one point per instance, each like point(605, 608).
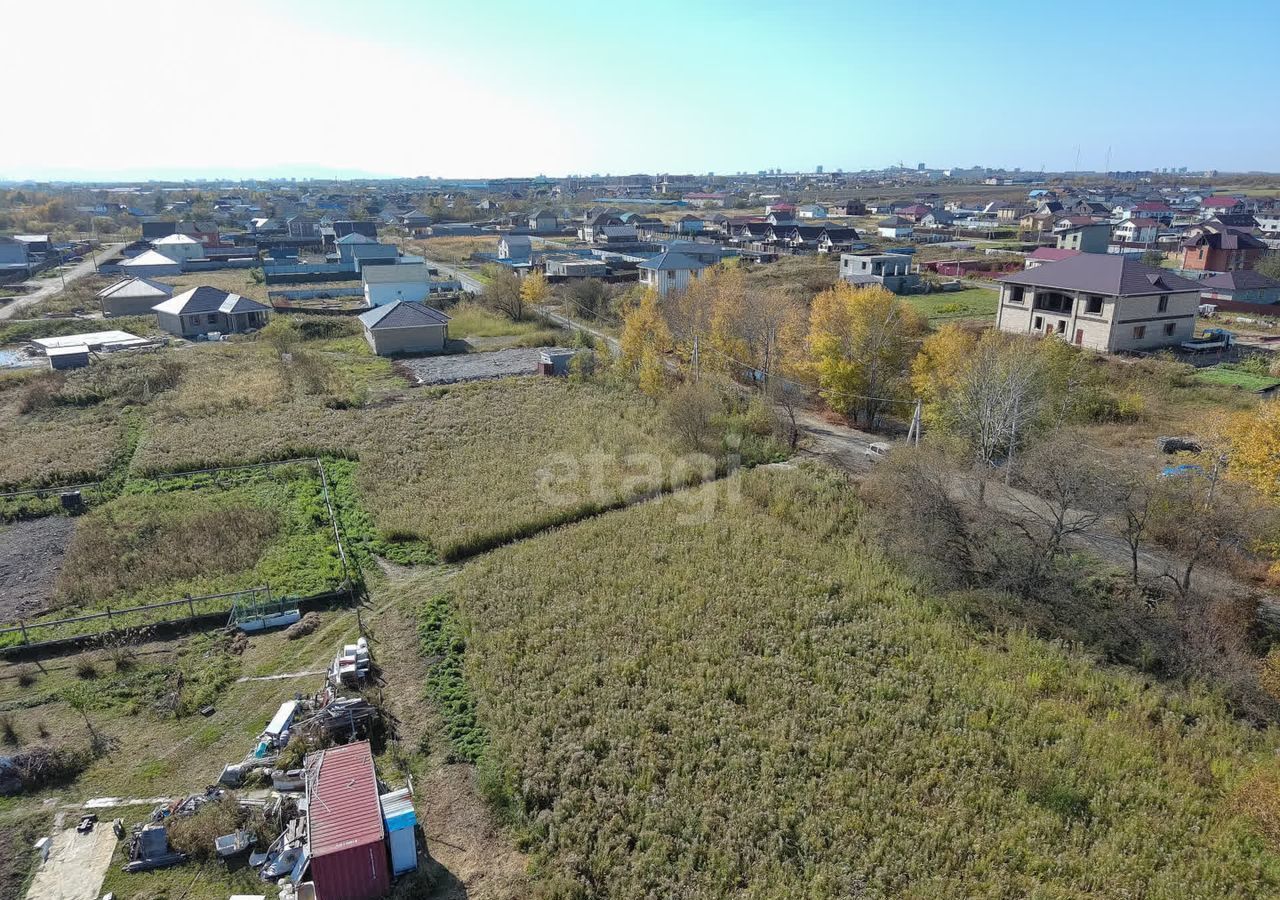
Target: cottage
point(669, 272)
point(1136, 231)
point(133, 297)
point(402, 281)
point(811, 211)
point(1106, 302)
point(1042, 255)
point(1241, 285)
point(405, 327)
point(149, 264)
point(346, 837)
point(207, 310)
point(179, 247)
point(14, 256)
point(515, 247)
point(1087, 237)
point(1214, 247)
point(1212, 206)
point(346, 245)
point(544, 221)
point(894, 227)
point(891, 271)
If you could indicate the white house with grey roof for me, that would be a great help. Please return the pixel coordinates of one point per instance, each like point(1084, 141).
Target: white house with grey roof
point(405, 327)
point(669, 272)
point(204, 310)
point(133, 297)
point(1106, 302)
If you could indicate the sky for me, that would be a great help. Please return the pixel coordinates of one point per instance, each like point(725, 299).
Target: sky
point(493, 88)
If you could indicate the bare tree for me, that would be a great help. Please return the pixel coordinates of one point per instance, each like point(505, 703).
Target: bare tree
point(1131, 494)
point(787, 398)
point(1000, 398)
point(502, 293)
point(1061, 494)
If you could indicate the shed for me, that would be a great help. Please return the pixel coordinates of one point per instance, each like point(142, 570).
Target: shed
point(151, 263)
point(400, 821)
point(133, 297)
point(554, 361)
point(75, 356)
point(403, 326)
point(345, 834)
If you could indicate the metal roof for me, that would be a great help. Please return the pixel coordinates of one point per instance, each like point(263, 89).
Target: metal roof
point(150, 258)
point(206, 299)
point(130, 288)
point(343, 809)
point(1103, 273)
point(90, 339)
point(402, 314)
point(399, 272)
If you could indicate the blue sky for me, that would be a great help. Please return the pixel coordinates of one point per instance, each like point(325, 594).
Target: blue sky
point(500, 87)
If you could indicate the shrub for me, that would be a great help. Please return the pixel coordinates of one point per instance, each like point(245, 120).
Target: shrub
point(195, 834)
point(86, 668)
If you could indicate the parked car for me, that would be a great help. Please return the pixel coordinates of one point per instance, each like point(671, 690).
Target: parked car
point(877, 450)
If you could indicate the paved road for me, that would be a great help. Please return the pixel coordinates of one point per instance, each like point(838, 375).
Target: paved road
point(48, 287)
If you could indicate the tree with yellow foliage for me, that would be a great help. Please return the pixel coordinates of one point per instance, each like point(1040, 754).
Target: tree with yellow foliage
point(1254, 441)
point(939, 366)
point(860, 344)
point(533, 289)
point(645, 341)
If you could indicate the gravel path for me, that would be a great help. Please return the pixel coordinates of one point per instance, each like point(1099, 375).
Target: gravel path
point(30, 558)
point(474, 366)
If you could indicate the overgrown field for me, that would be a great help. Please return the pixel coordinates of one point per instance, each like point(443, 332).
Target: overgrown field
point(755, 705)
point(203, 535)
point(462, 468)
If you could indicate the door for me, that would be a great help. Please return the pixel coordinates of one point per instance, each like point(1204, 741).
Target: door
point(1079, 336)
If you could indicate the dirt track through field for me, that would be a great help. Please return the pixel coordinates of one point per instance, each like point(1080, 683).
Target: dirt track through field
point(31, 555)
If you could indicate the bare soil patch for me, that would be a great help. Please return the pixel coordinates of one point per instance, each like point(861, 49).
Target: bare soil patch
point(31, 555)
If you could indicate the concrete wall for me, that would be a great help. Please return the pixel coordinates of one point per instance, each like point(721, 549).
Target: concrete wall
point(1124, 323)
point(129, 306)
point(415, 339)
point(380, 294)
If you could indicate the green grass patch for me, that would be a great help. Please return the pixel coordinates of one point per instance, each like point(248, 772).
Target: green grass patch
point(470, 319)
point(739, 697)
point(943, 306)
point(444, 645)
point(1234, 377)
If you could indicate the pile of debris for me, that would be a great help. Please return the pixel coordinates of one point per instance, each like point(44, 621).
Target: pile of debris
point(148, 848)
point(321, 718)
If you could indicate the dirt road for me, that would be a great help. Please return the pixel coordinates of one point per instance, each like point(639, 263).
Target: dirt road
point(48, 287)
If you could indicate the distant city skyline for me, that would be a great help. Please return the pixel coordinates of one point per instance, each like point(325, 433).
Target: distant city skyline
point(321, 88)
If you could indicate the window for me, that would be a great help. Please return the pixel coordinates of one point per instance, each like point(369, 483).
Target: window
point(1094, 306)
point(1062, 327)
point(1164, 303)
point(1139, 332)
point(1039, 323)
point(213, 318)
point(1170, 328)
point(1015, 294)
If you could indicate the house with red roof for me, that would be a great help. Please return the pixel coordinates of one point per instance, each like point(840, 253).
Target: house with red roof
point(1220, 204)
point(1215, 247)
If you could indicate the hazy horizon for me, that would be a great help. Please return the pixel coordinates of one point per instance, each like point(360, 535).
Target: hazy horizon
point(395, 89)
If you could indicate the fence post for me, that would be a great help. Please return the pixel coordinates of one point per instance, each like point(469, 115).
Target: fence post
point(23, 626)
point(191, 605)
point(109, 619)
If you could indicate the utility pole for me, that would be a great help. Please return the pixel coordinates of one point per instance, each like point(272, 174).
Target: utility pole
point(1013, 440)
point(695, 356)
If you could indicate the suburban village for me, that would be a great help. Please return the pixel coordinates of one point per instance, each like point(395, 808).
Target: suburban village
point(335, 372)
point(873, 528)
